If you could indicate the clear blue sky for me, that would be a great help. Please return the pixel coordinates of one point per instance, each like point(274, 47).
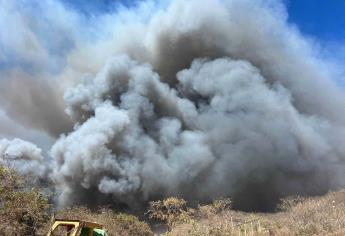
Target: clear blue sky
point(319, 18)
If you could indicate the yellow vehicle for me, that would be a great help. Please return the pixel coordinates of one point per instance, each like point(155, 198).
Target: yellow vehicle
point(64, 227)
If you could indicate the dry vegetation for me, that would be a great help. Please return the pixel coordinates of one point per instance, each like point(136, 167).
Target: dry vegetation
point(116, 224)
point(311, 216)
point(23, 211)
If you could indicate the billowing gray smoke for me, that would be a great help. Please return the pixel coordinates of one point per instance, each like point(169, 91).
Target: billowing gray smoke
point(203, 99)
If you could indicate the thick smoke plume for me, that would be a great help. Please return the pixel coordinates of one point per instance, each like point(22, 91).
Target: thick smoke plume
point(200, 100)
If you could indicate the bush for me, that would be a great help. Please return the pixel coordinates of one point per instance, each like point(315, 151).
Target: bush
point(22, 210)
point(170, 211)
point(217, 206)
point(288, 203)
point(324, 215)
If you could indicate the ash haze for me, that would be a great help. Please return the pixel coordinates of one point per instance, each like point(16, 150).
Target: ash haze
point(195, 99)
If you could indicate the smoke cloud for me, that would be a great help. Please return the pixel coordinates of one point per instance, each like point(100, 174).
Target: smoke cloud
point(22, 156)
point(195, 99)
point(39, 104)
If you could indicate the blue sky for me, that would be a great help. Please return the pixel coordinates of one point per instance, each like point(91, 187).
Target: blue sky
point(97, 6)
point(322, 19)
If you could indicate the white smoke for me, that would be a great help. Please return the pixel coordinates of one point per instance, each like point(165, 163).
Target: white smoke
point(22, 156)
point(199, 99)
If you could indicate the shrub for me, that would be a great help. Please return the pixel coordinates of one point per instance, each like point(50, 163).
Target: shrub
point(170, 211)
point(22, 210)
point(217, 206)
point(222, 204)
point(288, 203)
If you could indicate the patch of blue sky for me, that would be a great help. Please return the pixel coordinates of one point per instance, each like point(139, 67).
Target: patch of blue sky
point(96, 7)
point(319, 18)
point(322, 19)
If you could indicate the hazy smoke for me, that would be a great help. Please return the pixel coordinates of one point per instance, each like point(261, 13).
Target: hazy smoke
point(39, 104)
point(23, 156)
point(201, 99)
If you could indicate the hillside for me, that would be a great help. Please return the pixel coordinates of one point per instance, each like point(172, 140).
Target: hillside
point(296, 216)
point(24, 212)
point(310, 216)
point(323, 215)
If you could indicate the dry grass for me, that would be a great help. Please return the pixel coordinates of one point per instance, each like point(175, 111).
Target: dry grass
point(116, 224)
point(312, 216)
point(171, 211)
point(23, 212)
point(297, 216)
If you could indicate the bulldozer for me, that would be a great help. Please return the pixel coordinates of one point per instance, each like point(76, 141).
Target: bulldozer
point(65, 227)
